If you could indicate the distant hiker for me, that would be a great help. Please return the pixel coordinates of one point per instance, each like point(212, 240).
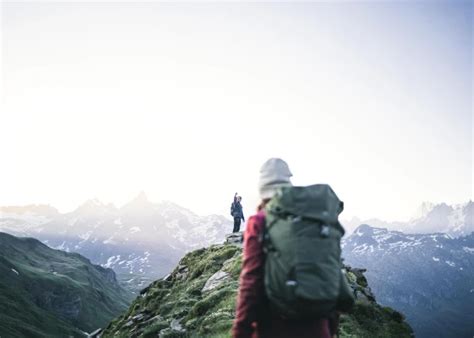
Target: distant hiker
point(237, 212)
point(291, 283)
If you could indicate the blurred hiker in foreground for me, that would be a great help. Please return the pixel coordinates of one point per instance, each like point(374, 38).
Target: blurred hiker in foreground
point(291, 283)
point(237, 212)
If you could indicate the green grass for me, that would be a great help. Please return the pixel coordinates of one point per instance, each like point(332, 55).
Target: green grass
point(54, 294)
point(204, 314)
point(372, 320)
point(211, 314)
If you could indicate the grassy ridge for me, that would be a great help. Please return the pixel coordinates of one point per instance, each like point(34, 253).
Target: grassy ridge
point(50, 293)
point(178, 306)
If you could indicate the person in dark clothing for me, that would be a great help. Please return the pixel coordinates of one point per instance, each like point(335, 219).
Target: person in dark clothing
point(237, 212)
point(254, 318)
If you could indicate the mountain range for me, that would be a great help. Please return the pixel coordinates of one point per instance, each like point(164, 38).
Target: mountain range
point(428, 277)
point(51, 293)
point(140, 241)
point(423, 268)
point(454, 220)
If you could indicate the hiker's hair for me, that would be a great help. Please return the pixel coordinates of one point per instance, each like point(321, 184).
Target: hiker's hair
point(263, 203)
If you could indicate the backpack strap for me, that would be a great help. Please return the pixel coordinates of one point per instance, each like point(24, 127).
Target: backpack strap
point(265, 237)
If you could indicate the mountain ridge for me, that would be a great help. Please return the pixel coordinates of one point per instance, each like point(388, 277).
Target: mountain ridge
point(47, 292)
point(140, 240)
point(197, 299)
point(425, 276)
point(456, 220)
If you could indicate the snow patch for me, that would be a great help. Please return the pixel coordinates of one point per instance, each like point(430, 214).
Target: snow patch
point(110, 240)
point(111, 261)
point(85, 236)
point(62, 247)
point(468, 249)
point(15, 271)
point(435, 259)
point(360, 248)
point(135, 229)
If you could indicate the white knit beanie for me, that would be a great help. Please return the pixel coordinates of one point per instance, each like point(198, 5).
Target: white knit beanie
point(274, 174)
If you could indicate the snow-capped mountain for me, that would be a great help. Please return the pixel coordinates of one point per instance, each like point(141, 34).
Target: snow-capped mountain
point(455, 220)
point(20, 219)
point(429, 277)
point(353, 223)
point(423, 210)
point(141, 241)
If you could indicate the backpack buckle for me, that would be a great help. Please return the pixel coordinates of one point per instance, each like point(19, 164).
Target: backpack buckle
point(324, 230)
point(294, 219)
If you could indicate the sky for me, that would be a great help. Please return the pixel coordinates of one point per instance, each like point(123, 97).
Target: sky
point(185, 101)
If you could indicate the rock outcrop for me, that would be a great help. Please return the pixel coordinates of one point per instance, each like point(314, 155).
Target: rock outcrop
point(235, 238)
point(201, 302)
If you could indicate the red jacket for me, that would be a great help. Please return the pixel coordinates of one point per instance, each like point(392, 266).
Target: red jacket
point(253, 317)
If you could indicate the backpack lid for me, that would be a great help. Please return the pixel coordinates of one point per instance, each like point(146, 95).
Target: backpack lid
point(318, 202)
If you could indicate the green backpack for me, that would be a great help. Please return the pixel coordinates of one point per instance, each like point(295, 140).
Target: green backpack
point(302, 243)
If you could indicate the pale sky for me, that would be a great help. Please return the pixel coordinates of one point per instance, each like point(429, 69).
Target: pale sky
point(186, 101)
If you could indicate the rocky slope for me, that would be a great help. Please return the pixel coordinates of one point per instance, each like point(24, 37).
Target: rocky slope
point(50, 293)
point(141, 241)
point(198, 300)
point(429, 277)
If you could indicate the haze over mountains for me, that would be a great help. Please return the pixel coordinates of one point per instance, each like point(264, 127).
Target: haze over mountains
point(455, 220)
point(141, 240)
